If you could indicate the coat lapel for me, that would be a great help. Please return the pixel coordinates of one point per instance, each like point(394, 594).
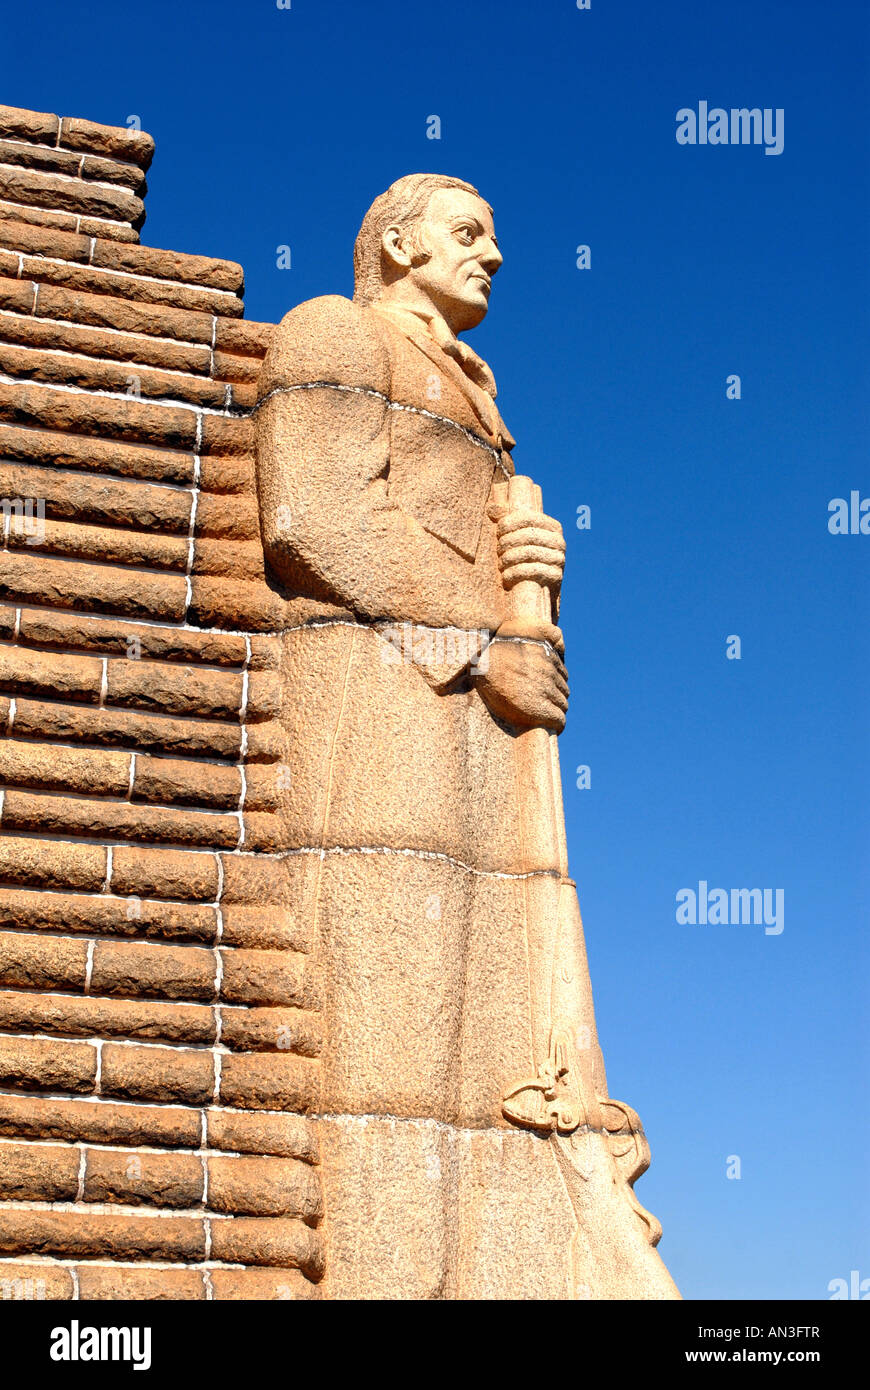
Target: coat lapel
point(483, 407)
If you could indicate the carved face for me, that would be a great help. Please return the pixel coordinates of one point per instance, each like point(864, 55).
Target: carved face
point(457, 231)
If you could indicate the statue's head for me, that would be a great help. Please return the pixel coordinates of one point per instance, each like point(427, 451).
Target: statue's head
point(429, 238)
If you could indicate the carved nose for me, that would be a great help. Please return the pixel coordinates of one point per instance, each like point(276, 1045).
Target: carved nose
point(492, 260)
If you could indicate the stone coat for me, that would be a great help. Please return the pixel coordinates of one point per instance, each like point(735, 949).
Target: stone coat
point(406, 867)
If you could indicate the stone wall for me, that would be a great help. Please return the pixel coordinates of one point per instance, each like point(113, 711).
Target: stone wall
point(158, 1015)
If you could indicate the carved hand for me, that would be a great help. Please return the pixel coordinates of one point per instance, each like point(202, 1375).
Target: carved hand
point(530, 546)
point(526, 683)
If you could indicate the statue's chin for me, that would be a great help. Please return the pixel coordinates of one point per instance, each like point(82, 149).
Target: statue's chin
point(468, 316)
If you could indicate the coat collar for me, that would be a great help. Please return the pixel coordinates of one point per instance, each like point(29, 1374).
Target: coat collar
point(424, 332)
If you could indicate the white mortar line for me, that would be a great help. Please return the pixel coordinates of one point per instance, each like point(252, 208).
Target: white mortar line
point(78, 476)
point(30, 145)
point(277, 855)
point(86, 744)
point(57, 991)
point(191, 532)
point(65, 212)
point(116, 1209)
point(39, 354)
point(102, 799)
point(68, 1262)
point(121, 332)
point(85, 747)
point(220, 876)
point(162, 402)
point(109, 565)
point(243, 747)
point(391, 405)
point(233, 666)
point(200, 1049)
point(82, 185)
point(32, 1097)
point(125, 898)
point(139, 276)
point(123, 1035)
point(218, 982)
point(83, 1166)
point(72, 1264)
point(167, 625)
point(43, 546)
point(150, 1149)
point(89, 968)
point(417, 1122)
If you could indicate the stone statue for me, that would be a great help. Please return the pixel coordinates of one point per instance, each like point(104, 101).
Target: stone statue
point(469, 1146)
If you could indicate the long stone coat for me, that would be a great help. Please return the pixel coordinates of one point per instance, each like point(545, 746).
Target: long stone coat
point(405, 855)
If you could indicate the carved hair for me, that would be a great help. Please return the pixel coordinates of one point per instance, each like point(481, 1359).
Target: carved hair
point(404, 204)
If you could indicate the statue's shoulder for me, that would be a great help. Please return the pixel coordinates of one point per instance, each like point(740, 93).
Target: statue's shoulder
point(328, 339)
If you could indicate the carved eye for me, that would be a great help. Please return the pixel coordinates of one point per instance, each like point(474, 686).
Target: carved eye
point(465, 234)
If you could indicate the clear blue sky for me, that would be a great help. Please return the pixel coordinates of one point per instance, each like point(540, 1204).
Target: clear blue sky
point(709, 516)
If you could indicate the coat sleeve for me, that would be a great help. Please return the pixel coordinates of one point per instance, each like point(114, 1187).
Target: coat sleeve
point(329, 525)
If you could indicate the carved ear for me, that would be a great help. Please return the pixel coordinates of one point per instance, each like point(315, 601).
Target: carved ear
point(394, 242)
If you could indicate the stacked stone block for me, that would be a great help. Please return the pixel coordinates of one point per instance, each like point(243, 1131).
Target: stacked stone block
point(158, 1004)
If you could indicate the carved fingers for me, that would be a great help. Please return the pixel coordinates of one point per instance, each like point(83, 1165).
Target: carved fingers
point(526, 683)
point(530, 546)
